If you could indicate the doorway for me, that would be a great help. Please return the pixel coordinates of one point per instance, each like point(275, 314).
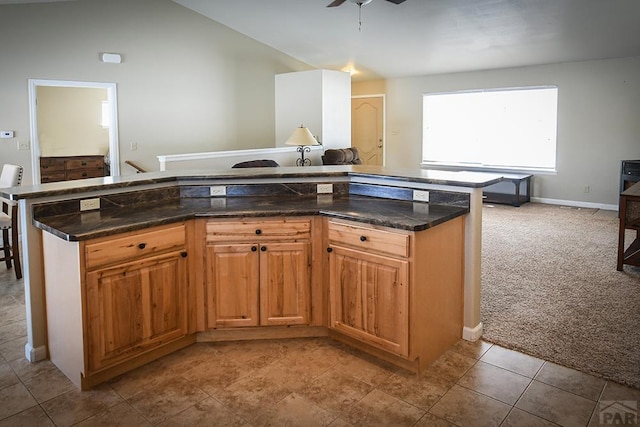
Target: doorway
point(58, 92)
point(367, 128)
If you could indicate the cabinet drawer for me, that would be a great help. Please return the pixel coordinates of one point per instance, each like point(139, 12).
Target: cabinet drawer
point(369, 239)
point(131, 247)
point(250, 230)
point(49, 164)
point(86, 163)
point(52, 177)
point(85, 173)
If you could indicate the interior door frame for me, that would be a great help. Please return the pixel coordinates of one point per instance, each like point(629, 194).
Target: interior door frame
point(114, 151)
point(384, 121)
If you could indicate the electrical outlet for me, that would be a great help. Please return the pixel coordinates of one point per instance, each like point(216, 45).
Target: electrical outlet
point(134, 146)
point(217, 190)
point(420, 196)
point(23, 145)
point(89, 204)
point(324, 189)
point(6, 134)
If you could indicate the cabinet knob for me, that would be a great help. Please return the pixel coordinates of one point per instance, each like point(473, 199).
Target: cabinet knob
point(329, 250)
point(254, 248)
point(183, 254)
point(263, 248)
point(363, 238)
point(142, 245)
point(258, 231)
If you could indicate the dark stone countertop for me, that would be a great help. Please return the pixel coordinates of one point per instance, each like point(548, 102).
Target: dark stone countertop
point(406, 215)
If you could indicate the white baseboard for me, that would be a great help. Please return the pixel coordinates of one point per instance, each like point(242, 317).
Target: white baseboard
point(35, 354)
point(574, 203)
point(472, 334)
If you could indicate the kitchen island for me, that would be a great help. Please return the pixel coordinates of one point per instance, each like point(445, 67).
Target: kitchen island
point(326, 234)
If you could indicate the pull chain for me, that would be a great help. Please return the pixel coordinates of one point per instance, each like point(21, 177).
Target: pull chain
point(360, 17)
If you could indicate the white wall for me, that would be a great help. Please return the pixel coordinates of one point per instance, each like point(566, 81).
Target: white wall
point(186, 84)
point(318, 99)
point(598, 120)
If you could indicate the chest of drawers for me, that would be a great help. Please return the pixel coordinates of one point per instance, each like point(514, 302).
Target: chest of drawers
point(53, 169)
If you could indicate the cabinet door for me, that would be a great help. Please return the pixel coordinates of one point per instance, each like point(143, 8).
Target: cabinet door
point(369, 298)
point(232, 285)
point(135, 307)
point(285, 281)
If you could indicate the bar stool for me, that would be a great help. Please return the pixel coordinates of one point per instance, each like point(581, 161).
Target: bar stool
point(11, 177)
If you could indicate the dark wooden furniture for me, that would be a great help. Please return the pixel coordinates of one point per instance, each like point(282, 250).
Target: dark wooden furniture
point(629, 173)
point(629, 220)
point(521, 195)
point(53, 169)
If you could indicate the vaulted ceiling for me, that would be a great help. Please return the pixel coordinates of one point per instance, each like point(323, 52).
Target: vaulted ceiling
point(420, 37)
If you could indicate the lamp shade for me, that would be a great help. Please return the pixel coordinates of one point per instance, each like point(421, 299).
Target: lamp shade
point(301, 136)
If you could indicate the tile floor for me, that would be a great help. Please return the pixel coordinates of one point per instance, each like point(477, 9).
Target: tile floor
point(304, 382)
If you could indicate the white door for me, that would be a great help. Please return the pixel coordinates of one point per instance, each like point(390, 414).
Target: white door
point(367, 117)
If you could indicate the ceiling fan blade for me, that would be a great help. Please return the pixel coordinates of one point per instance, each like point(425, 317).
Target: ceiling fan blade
point(335, 3)
point(396, 1)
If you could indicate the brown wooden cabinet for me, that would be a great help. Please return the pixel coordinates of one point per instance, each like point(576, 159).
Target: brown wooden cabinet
point(370, 298)
point(53, 169)
point(139, 295)
point(135, 298)
point(629, 220)
point(135, 307)
point(258, 272)
point(394, 293)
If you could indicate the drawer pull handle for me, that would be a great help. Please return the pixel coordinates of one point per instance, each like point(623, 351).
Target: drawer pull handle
point(142, 245)
point(363, 238)
point(253, 248)
point(183, 254)
point(84, 164)
point(258, 231)
point(84, 174)
point(263, 248)
point(329, 250)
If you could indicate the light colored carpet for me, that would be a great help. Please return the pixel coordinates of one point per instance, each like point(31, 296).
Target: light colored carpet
point(550, 289)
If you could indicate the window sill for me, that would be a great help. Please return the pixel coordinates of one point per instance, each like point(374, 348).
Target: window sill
point(483, 168)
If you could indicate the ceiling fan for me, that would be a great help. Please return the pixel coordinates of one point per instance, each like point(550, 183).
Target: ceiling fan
point(360, 3)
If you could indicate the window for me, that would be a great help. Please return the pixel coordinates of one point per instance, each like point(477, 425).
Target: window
point(105, 115)
point(494, 129)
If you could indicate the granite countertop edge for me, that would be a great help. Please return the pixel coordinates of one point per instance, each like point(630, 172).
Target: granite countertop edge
point(82, 226)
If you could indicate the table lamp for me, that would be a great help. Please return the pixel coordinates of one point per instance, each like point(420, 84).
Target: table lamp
point(303, 138)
